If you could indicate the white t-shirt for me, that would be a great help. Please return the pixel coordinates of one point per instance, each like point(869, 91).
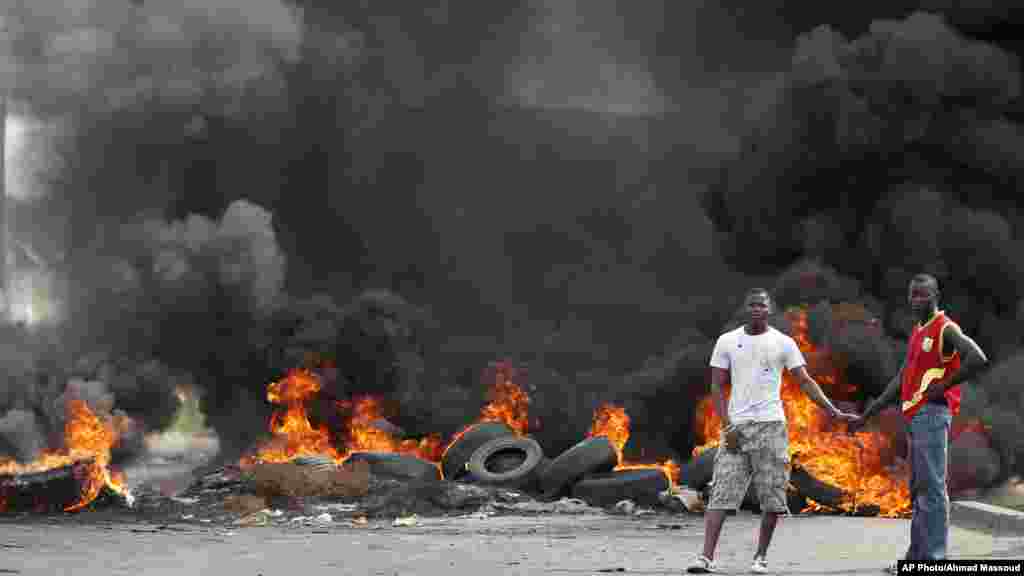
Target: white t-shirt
point(755, 365)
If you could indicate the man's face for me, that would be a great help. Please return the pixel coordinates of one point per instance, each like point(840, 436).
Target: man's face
point(758, 307)
point(922, 297)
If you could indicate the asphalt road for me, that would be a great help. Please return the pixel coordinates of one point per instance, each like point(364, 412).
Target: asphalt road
point(489, 546)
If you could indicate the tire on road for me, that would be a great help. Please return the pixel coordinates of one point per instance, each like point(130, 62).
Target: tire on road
point(642, 486)
point(488, 464)
point(397, 466)
point(455, 458)
point(591, 456)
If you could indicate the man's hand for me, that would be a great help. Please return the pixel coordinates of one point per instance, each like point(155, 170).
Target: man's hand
point(936, 390)
point(732, 439)
point(857, 423)
point(848, 417)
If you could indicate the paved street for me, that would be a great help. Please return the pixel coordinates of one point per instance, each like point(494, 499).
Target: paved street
point(488, 546)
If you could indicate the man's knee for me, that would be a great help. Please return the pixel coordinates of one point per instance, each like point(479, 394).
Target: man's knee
point(771, 478)
point(730, 482)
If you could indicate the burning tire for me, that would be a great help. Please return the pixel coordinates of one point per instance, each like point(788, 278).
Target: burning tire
point(489, 464)
point(640, 485)
point(397, 466)
point(456, 457)
point(591, 456)
point(47, 491)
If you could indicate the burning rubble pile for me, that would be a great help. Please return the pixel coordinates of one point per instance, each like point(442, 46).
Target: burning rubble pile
point(376, 471)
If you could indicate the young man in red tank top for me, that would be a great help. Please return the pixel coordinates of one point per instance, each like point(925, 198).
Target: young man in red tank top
point(939, 358)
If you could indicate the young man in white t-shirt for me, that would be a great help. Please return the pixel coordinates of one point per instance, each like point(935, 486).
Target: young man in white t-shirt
point(755, 444)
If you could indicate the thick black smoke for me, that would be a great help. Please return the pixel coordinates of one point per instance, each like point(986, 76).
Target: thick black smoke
point(410, 194)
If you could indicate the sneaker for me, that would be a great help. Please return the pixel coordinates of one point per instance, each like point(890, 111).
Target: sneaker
point(701, 565)
point(760, 565)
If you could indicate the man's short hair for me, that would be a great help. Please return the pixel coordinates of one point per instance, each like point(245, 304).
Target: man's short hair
point(757, 292)
point(926, 279)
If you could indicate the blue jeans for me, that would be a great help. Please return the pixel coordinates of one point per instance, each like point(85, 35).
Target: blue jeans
point(929, 447)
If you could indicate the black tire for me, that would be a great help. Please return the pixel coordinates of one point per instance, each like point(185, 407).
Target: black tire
point(397, 466)
point(503, 461)
point(482, 469)
point(455, 458)
point(542, 466)
point(642, 486)
point(698, 471)
point(591, 456)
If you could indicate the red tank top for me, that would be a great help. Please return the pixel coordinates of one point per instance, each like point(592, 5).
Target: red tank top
point(926, 363)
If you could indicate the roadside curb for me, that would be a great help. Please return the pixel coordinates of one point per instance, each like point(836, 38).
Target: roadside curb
point(997, 520)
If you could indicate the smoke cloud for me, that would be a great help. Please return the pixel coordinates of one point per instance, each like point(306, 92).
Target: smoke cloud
point(240, 188)
point(95, 52)
point(566, 62)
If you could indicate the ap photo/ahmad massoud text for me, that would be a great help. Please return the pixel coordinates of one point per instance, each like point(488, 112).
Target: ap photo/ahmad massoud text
point(961, 566)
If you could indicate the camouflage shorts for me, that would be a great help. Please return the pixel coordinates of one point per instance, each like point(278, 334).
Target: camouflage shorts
point(763, 458)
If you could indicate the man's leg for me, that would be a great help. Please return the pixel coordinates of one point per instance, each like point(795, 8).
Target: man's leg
point(713, 521)
point(770, 476)
point(930, 443)
point(731, 478)
point(764, 536)
point(914, 487)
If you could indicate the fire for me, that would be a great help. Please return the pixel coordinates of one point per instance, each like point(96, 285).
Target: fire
point(293, 434)
point(852, 462)
point(87, 438)
point(364, 436)
point(612, 422)
point(507, 403)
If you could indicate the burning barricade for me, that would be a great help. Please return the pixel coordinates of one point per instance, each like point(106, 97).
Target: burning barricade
point(491, 463)
point(368, 467)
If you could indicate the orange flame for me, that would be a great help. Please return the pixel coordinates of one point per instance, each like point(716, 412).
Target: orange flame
point(364, 436)
point(507, 403)
point(612, 422)
point(87, 437)
point(856, 463)
point(292, 433)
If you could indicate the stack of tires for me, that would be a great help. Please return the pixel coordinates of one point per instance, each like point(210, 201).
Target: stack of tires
point(492, 454)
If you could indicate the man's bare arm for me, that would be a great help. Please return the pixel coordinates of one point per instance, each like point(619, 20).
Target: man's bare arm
point(719, 377)
point(973, 360)
point(891, 392)
point(813, 391)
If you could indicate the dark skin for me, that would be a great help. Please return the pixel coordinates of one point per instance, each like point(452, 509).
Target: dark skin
point(758, 307)
point(923, 297)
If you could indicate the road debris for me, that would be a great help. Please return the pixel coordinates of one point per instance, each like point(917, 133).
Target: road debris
point(406, 521)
